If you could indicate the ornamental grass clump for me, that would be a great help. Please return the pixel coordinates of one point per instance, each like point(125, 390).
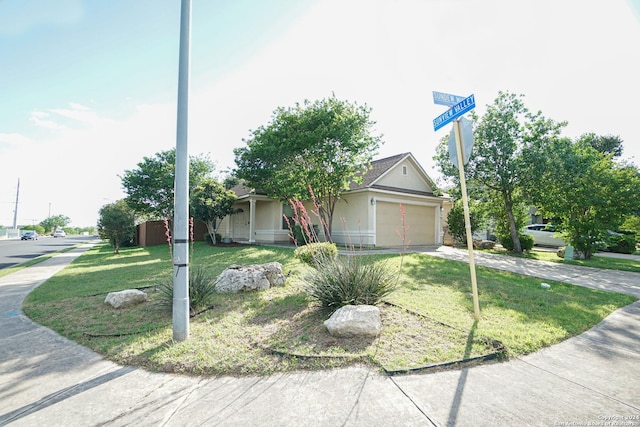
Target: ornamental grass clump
point(350, 280)
point(201, 290)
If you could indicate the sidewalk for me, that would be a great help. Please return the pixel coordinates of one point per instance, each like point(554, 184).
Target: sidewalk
point(593, 378)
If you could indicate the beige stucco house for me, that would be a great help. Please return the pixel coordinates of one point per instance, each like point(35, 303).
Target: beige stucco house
point(369, 214)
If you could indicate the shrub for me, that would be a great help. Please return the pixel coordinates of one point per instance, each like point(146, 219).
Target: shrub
point(201, 290)
point(316, 253)
point(305, 237)
point(622, 243)
point(526, 242)
point(348, 280)
point(456, 221)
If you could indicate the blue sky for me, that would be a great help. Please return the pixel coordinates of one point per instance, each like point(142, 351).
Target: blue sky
point(88, 87)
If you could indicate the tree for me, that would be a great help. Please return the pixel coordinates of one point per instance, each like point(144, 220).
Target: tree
point(53, 222)
point(499, 157)
point(116, 223)
point(37, 228)
point(607, 144)
point(210, 202)
point(586, 191)
point(150, 187)
point(317, 147)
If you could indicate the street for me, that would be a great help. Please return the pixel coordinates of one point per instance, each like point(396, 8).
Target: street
point(14, 251)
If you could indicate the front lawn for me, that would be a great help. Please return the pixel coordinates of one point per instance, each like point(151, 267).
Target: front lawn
point(428, 320)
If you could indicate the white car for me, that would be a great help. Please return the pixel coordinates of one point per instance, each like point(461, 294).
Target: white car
point(59, 233)
point(544, 235)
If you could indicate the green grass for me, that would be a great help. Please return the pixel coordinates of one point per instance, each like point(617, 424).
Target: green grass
point(595, 262)
point(429, 318)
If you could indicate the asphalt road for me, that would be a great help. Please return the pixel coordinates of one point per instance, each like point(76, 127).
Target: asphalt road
point(13, 251)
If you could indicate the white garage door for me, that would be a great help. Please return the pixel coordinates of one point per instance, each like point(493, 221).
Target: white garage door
point(420, 221)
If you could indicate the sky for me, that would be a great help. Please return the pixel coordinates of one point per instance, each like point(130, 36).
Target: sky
point(88, 88)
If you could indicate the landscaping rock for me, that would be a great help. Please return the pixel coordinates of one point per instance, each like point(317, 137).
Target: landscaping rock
point(483, 244)
point(355, 320)
point(250, 277)
point(126, 298)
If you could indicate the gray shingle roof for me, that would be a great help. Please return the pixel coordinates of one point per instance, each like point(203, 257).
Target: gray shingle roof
point(378, 168)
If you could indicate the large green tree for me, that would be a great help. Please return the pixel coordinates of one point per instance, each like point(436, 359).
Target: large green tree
point(585, 190)
point(211, 202)
point(150, 187)
point(496, 168)
point(322, 145)
point(54, 222)
point(116, 223)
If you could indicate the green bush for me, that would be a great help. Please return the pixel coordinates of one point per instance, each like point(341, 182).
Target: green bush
point(526, 242)
point(201, 290)
point(316, 253)
point(622, 243)
point(303, 238)
point(350, 280)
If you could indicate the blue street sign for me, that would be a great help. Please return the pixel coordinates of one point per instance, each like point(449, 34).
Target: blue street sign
point(446, 99)
point(454, 112)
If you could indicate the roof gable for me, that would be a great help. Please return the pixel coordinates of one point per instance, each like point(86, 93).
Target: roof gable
point(401, 172)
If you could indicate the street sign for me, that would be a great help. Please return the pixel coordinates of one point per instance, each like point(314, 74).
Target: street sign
point(454, 112)
point(467, 142)
point(446, 99)
point(459, 156)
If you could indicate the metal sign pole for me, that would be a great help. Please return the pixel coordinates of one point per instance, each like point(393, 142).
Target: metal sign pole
point(181, 194)
point(467, 218)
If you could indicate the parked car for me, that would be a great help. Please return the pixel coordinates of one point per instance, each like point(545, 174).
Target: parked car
point(544, 235)
point(29, 235)
point(59, 233)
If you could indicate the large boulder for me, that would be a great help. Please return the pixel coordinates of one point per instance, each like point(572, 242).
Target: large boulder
point(354, 320)
point(126, 298)
point(250, 277)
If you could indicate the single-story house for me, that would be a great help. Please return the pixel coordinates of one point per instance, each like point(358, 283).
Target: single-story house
point(368, 214)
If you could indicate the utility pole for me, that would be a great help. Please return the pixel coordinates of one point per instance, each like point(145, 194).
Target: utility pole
point(15, 212)
point(181, 186)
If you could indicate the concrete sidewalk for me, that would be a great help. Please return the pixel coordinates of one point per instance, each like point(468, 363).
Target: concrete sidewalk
point(593, 378)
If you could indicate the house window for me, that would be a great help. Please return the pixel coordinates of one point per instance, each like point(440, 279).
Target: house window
point(288, 212)
point(404, 170)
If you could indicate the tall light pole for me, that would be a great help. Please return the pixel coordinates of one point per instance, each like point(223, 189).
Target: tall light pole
point(15, 212)
point(181, 187)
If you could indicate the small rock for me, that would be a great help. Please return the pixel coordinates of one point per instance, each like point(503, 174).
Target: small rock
point(484, 244)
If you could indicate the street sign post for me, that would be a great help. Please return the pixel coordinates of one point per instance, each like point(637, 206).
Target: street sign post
point(450, 115)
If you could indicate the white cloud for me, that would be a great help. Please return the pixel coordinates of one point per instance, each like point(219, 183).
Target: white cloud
point(14, 139)
point(76, 169)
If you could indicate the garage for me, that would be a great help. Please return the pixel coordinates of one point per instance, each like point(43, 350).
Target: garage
point(420, 220)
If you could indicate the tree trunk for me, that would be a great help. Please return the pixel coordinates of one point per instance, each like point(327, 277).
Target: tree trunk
point(517, 247)
point(212, 231)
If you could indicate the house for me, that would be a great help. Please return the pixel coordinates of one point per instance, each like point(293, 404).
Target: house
point(368, 214)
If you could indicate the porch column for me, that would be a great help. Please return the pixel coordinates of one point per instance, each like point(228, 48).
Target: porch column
point(252, 220)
